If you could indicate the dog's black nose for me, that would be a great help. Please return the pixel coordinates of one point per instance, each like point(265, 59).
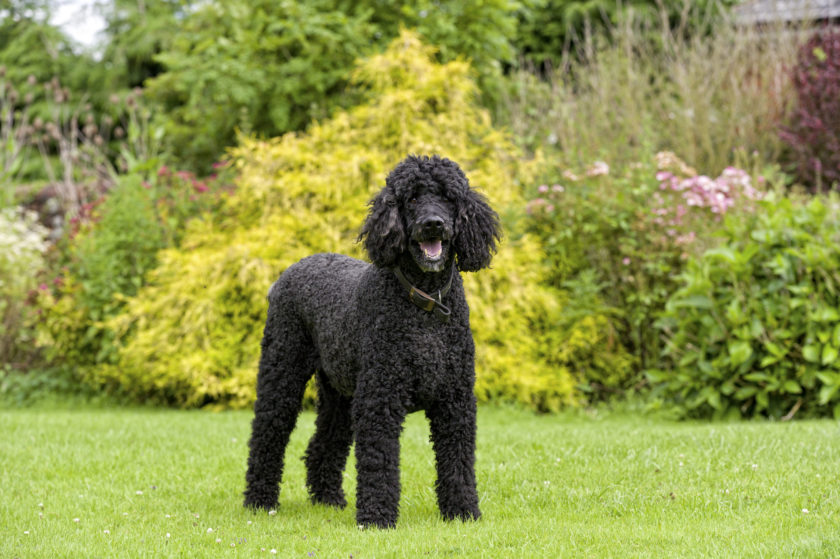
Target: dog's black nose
point(431, 221)
point(432, 226)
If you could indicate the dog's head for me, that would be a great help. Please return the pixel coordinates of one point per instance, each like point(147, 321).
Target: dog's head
point(428, 210)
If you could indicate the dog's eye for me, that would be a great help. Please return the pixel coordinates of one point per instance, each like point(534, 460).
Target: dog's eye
point(412, 201)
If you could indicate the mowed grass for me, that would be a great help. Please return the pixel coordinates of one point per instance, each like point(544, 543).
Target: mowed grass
point(162, 483)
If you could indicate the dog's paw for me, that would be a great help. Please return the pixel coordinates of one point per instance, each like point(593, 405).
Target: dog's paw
point(336, 500)
point(464, 515)
point(380, 523)
point(258, 505)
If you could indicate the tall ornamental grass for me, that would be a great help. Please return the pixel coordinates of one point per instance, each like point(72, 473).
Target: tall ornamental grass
point(707, 97)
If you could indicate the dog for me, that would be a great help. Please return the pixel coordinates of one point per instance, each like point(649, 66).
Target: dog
point(383, 340)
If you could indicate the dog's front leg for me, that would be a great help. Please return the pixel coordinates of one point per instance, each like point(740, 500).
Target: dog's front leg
point(378, 416)
point(452, 426)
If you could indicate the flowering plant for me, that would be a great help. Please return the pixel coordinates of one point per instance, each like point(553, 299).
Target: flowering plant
point(22, 248)
point(686, 199)
point(616, 244)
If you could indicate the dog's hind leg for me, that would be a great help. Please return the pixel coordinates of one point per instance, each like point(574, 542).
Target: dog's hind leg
point(287, 362)
point(327, 453)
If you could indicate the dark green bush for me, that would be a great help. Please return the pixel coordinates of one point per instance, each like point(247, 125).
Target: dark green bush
point(262, 67)
point(754, 328)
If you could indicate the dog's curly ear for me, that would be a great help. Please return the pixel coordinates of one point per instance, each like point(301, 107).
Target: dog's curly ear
point(383, 232)
point(477, 229)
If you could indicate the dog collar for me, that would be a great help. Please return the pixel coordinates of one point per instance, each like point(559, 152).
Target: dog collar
point(425, 301)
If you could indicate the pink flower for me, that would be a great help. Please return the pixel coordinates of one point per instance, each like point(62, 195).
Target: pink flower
point(686, 238)
point(543, 188)
point(567, 174)
point(163, 171)
point(597, 169)
point(534, 205)
point(625, 261)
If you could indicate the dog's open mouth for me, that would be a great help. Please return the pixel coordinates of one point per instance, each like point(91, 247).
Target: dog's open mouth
point(432, 249)
point(430, 253)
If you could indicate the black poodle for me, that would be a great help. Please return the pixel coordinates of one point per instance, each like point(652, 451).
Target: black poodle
point(383, 340)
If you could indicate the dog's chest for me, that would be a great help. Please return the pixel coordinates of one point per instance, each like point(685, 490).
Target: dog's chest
point(430, 364)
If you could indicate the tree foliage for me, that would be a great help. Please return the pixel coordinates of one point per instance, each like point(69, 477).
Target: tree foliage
point(137, 31)
point(270, 67)
point(29, 46)
point(263, 67)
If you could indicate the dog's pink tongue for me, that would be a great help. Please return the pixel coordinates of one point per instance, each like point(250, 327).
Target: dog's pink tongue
point(431, 248)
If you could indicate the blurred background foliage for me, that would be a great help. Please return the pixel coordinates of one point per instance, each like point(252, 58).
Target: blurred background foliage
point(664, 174)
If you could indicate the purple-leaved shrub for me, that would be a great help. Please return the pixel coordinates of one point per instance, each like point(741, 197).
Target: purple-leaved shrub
point(814, 130)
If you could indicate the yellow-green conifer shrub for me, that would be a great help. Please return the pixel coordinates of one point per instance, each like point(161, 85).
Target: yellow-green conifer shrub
point(191, 337)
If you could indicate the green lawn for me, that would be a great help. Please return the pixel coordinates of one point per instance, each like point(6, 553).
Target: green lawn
point(143, 482)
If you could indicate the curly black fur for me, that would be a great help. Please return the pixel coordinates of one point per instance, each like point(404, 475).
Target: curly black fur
point(376, 356)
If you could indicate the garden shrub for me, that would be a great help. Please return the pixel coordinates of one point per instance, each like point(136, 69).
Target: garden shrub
point(105, 258)
point(754, 328)
point(22, 247)
point(108, 255)
point(191, 336)
point(616, 244)
point(814, 131)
